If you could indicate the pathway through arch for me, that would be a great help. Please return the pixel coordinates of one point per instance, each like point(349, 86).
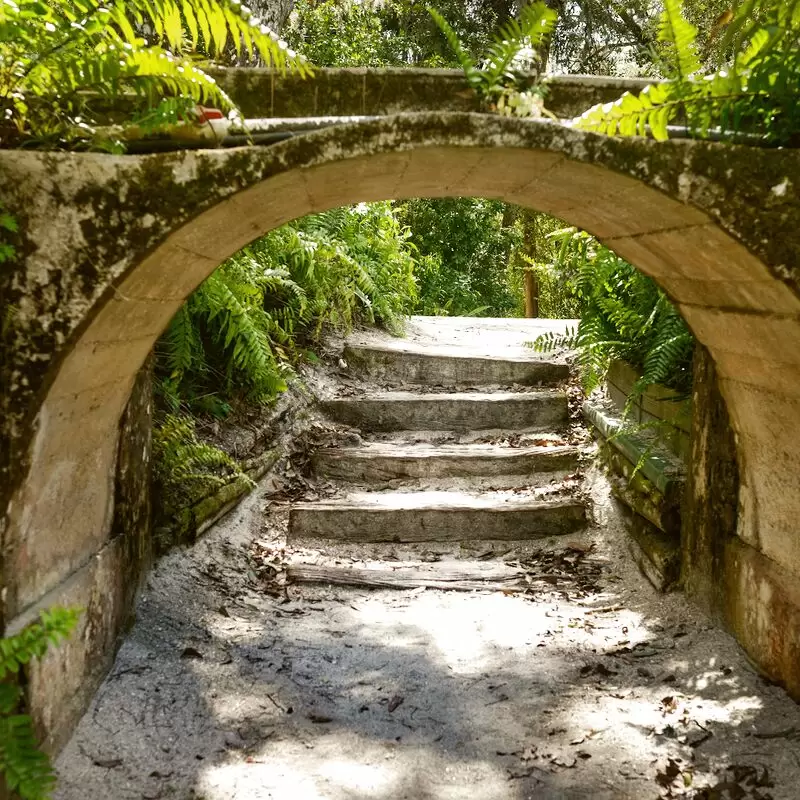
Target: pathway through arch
point(549, 668)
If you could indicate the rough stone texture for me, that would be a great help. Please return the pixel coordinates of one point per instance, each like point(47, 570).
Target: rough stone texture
point(132, 496)
point(192, 521)
point(666, 472)
point(379, 461)
point(444, 369)
point(656, 404)
point(433, 517)
point(762, 609)
point(110, 246)
point(464, 411)
point(366, 91)
point(657, 554)
point(63, 683)
point(735, 564)
point(106, 588)
point(710, 511)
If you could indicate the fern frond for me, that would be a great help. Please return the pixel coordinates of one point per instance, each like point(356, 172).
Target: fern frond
point(674, 29)
point(755, 93)
point(548, 342)
point(26, 770)
point(531, 28)
point(471, 71)
point(185, 350)
point(57, 56)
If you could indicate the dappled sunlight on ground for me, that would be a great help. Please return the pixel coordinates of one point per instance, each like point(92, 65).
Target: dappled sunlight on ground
point(375, 770)
point(222, 691)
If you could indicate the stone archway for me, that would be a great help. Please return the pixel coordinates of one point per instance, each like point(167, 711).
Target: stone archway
point(113, 245)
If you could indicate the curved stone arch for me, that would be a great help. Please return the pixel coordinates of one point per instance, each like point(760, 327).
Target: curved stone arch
point(116, 244)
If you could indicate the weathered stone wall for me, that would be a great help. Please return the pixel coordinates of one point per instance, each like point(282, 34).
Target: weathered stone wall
point(65, 681)
point(712, 500)
point(113, 245)
point(355, 91)
point(654, 406)
point(756, 596)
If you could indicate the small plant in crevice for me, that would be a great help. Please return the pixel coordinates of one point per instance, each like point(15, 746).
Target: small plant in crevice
point(25, 769)
point(8, 227)
point(499, 78)
point(185, 469)
point(754, 95)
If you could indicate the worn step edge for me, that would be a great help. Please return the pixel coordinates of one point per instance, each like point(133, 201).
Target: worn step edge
point(396, 411)
point(451, 368)
point(429, 461)
point(465, 579)
point(343, 521)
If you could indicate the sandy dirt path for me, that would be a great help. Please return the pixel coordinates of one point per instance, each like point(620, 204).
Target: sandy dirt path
point(600, 688)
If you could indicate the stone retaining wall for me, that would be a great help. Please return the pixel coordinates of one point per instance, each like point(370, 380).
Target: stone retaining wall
point(355, 91)
point(655, 405)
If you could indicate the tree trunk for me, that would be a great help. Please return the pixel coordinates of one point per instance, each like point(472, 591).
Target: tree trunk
point(274, 13)
point(530, 229)
point(531, 294)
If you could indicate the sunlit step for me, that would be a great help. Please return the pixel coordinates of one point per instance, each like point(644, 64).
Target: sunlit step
point(451, 411)
point(434, 516)
point(378, 462)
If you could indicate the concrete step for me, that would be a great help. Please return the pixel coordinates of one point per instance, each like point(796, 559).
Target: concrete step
point(449, 366)
point(376, 462)
point(434, 517)
point(451, 411)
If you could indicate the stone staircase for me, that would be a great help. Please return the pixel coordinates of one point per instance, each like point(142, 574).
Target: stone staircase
point(464, 442)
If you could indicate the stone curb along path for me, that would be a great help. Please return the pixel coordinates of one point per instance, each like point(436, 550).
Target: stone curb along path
point(336, 667)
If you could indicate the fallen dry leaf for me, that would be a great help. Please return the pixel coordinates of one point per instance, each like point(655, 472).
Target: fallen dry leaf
point(396, 702)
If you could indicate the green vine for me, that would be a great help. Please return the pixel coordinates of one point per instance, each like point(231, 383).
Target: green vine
point(26, 770)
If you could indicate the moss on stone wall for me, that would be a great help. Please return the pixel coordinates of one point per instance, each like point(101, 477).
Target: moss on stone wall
point(712, 499)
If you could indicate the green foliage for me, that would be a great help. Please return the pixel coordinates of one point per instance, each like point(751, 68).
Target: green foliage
point(624, 316)
point(387, 32)
point(463, 248)
point(26, 770)
point(361, 267)
point(236, 336)
point(8, 227)
point(358, 40)
point(497, 77)
point(557, 300)
point(755, 94)
point(64, 62)
point(186, 469)
point(223, 337)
